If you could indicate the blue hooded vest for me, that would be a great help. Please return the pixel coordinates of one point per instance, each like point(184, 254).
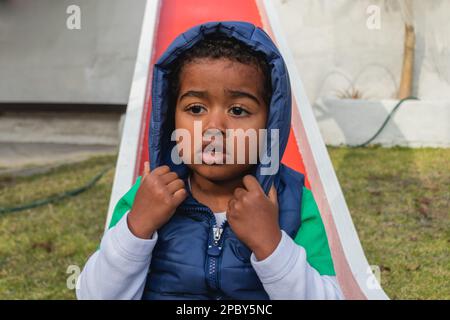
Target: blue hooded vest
point(188, 262)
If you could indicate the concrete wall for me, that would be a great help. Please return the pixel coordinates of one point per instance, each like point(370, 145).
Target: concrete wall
point(335, 49)
point(41, 60)
point(87, 128)
point(414, 124)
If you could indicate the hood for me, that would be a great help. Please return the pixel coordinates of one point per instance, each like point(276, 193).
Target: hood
point(161, 124)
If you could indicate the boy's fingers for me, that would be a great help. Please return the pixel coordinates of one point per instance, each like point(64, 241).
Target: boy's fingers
point(179, 196)
point(273, 195)
point(251, 183)
point(175, 185)
point(239, 192)
point(168, 177)
point(161, 170)
point(231, 204)
point(146, 169)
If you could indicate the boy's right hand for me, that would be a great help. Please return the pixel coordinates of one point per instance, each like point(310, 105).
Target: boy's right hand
point(158, 196)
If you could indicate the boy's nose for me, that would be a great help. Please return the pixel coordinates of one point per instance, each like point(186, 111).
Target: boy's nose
point(215, 121)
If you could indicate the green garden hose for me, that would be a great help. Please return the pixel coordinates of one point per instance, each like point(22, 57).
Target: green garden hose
point(384, 123)
point(56, 197)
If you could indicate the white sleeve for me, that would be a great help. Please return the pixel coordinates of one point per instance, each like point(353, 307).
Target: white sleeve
point(118, 270)
point(286, 274)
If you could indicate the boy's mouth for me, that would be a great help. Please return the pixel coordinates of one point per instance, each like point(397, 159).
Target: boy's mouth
point(213, 153)
point(213, 158)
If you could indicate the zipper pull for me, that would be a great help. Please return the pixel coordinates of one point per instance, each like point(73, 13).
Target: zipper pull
point(217, 234)
point(213, 249)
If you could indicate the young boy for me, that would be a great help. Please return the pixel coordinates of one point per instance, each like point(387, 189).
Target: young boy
point(210, 226)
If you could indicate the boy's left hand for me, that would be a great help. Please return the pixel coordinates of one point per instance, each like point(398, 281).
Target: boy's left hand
point(253, 217)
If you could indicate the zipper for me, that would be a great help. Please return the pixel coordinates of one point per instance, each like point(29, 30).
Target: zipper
point(219, 242)
point(214, 250)
point(214, 255)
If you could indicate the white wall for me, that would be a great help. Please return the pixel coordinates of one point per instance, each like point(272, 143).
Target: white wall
point(414, 124)
point(334, 49)
point(61, 127)
point(43, 61)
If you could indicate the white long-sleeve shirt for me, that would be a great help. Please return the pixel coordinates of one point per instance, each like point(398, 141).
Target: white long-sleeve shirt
point(118, 270)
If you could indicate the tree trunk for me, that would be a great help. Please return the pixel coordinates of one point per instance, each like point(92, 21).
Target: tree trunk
point(406, 83)
point(407, 76)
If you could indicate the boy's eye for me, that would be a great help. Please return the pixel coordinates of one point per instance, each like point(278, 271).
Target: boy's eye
point(238, 111)
point(196, 109)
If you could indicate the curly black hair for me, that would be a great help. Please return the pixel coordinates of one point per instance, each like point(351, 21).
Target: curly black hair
point(218, 46)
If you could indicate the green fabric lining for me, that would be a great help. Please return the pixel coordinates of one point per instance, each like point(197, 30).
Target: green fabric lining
point(312, 236)
point(124, 204)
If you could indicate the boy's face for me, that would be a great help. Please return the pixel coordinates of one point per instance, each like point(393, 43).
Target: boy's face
point(221, 94)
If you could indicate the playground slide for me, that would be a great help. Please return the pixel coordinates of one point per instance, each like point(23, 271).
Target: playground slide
point(305, 152)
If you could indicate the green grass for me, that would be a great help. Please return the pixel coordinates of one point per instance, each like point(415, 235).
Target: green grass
point(399, 200)
point(38, 245)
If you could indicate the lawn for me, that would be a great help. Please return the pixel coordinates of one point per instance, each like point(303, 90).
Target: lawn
point(38, 245)
point(399, 199)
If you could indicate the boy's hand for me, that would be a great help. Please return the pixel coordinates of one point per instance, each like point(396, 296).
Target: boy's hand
point(159, 194)
point(254, 217)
